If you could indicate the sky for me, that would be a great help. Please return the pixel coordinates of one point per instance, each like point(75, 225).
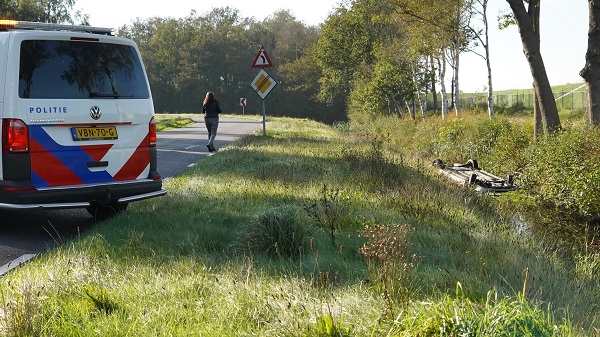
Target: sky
point(563, 34)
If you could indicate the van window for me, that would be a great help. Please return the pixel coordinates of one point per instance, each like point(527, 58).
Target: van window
point(57, 69)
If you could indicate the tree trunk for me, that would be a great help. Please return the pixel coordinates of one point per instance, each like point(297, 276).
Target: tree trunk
point(411, 112)
point(591, 70)
point(397, 108)
point(490, 91)
point(456, 87)
point(531, 49)
point(442, 74)
point(418, 93)
point(424, 107)
point(538, 124)
point(452, 95)
point(433, 88)
point(538, 127)
point(455, 68)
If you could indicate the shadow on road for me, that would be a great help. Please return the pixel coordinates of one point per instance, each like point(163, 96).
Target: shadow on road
point(31, 231)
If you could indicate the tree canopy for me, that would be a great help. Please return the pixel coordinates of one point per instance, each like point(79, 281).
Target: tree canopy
point(214, 51)
point(369, 57)
point(53, 11)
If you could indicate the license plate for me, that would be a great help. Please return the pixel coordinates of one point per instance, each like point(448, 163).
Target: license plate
point(94, 133)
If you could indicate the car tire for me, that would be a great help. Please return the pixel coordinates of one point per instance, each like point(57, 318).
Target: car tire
point(439, 162)
point(472, 163)
point(103, 212)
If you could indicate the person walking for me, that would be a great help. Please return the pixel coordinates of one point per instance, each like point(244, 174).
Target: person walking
point(211, 110)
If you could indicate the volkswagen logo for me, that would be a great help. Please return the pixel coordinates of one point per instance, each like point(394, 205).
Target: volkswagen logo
point(95, 112)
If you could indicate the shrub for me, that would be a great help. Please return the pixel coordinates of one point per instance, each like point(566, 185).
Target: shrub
point(496, 317)
point(564, 171)
point(280, 231)
point(388, 252)
point(503, 144)
point(514, 109)
point(20, 314)
point(329, 212)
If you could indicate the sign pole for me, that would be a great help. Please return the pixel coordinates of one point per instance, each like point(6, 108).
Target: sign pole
point(243, 104)
point(264, 119)
point(263, 82)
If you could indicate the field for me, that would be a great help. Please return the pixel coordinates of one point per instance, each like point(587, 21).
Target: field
point(570, 96)
point(312, 230)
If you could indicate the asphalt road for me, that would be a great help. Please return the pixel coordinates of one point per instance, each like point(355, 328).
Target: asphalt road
point(180, 148)
point(25, 233)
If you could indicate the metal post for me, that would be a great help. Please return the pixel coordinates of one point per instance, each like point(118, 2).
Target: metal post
point(572, 101)
point(264, 119)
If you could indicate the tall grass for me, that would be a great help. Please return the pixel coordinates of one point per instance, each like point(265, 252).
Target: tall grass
point(289, 235)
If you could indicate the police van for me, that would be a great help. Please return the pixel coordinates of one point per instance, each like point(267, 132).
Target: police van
point(77, 120)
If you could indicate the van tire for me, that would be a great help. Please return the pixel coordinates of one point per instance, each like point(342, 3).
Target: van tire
point(105, 212)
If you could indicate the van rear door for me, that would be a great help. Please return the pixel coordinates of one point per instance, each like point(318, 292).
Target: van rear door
point(88, 107)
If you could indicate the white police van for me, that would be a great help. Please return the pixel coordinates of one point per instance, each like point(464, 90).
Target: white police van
point(77, 119)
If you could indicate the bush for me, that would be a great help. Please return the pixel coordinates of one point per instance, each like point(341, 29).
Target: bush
point(278, 232)
point(329, 212)
point(564, 171)
point(503, 145)
point(497, 316)
point(514, 109)
point(388, 253)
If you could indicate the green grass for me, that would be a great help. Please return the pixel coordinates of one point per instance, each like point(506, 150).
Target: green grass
point(169, 122)
point(564, 88)
point(211, 257)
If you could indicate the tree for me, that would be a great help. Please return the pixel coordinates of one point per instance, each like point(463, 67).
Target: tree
point(485, 42)
point(460, 23)
point(159, 41)
point(292, 47)
point(288, 38)
point(52, 11)
point(591, 70)
point(441, 69)
point(188, 56)
point(366, 62)
point(529, 31)
point(439, 29)
point(348, 37)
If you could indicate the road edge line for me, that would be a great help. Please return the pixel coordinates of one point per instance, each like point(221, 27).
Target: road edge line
point(15, 263)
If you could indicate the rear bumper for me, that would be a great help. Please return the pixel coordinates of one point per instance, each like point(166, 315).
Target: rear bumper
point(81, 196)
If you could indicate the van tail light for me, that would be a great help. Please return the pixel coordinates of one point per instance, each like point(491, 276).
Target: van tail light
point(15, 136)
point(152, 133)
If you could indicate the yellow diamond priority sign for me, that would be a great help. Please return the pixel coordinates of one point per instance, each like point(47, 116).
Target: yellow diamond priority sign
point(263, 83)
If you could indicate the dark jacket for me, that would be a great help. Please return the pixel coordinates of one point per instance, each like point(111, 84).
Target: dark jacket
point(212, 109)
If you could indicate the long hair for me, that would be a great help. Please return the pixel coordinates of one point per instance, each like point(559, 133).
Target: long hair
point(209, 98)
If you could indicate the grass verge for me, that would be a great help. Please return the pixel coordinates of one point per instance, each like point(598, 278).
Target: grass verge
point(308, 231)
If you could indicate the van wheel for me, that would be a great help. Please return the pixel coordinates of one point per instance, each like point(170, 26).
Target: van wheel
point(108, 211)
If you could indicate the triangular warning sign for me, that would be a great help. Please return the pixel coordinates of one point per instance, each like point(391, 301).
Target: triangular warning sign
point(262, 60)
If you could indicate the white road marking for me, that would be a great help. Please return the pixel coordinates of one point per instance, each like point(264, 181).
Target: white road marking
point(15, 263)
